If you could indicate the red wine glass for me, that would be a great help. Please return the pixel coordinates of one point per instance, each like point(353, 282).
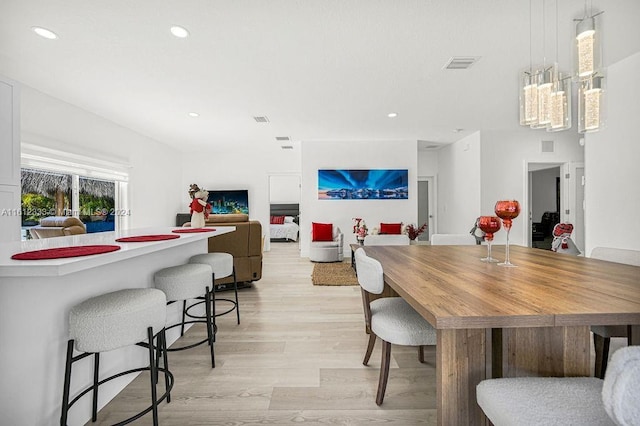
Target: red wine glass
point(489, 225)
point(507, 210)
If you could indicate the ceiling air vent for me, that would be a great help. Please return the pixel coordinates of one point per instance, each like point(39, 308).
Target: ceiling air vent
point(262, 119)
point(283, 138)
point(286, 146)
point(461, 62)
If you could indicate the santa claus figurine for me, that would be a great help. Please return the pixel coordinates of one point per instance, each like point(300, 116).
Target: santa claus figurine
point(199, 208)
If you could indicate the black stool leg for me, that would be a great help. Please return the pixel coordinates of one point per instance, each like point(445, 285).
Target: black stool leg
point(213, 304)
point(163, 335)
point(210, 332)
point(67, 384)
point(153, 374)
point(96, 369)
point(235, 288)
point(184, 312)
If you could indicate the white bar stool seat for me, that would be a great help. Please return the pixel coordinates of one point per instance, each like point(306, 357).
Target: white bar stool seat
point(115, 320)
point(183, 282)
point(222, 266)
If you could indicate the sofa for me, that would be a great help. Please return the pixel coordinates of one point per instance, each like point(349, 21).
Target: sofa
point(245, 245)
point(57, 226)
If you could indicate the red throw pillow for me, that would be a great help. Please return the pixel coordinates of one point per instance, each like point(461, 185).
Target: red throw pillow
point(390, 228)
point(277, 220)
point(322, 231)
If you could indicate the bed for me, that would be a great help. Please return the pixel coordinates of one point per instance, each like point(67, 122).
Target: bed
point(283, 224)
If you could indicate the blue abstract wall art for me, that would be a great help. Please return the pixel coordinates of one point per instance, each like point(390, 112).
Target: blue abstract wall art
point(374, 184)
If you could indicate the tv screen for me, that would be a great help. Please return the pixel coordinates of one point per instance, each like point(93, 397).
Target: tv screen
point(229, 201)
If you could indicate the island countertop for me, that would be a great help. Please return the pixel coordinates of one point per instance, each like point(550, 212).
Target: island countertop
point(64, 266)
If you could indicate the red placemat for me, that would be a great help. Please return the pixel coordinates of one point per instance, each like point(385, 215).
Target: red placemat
point(146, 238)
point(192, 230)
point(60, 252)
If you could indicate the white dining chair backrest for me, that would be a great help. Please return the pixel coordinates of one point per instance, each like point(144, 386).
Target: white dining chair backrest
point(370, 275)
point(628, 257)
point(621, 387)
point(386, 240)
point(453, 240)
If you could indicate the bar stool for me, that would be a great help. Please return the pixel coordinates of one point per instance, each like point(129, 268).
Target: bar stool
point(222, 266)
point(115, 320)
point(183, 282)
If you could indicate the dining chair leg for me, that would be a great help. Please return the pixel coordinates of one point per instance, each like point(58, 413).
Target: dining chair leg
point(384, 371)
point(370, 345)
point(421, 354)
point(602, 354)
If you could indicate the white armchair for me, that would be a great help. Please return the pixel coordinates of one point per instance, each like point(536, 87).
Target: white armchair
point(327, 251)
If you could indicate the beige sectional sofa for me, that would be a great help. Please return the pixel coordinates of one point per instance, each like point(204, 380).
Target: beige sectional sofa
point(245, 244)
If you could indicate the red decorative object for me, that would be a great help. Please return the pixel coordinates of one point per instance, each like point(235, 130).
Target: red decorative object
point(147, 238)
point(192, 230)
point(507, 210)
point(489, 225)
point(321, 231)
point(62, 252)
point(277, 220)
point(413, 232)
point(391, 228)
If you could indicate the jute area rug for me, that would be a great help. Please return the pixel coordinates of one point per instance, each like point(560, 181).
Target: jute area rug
point(339, 273)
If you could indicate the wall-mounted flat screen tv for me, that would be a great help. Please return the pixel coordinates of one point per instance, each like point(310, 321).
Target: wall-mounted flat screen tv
point(369, 184)
point(228, 201)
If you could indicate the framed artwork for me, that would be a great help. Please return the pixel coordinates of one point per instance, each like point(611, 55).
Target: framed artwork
point(370, 184)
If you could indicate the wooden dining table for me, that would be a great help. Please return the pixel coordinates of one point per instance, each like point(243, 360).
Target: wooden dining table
point(494, 321)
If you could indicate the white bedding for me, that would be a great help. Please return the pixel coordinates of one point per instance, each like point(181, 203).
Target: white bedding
point(287, 230)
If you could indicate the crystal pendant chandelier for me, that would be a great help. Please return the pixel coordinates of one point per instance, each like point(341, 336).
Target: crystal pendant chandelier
point(590, 104)
point(590, 80)
point(560, 104)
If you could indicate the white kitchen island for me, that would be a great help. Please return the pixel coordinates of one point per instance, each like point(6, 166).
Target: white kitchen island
point(35, 299)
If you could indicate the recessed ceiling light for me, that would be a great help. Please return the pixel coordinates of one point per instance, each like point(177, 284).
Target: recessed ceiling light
point(194, 114)
point(392, 115)
point(43, 32)
point(457, 130)
point(179, 32)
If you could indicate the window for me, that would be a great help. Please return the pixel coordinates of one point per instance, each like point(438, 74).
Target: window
point(56, 183)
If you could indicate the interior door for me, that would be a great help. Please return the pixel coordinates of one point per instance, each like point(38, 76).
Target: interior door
point(423, 208)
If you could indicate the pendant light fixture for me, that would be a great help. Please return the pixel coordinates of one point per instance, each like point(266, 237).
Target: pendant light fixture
point(529, 86)
point(588, 71)
point(545, 81)
point(590, 104)
point(560, 98)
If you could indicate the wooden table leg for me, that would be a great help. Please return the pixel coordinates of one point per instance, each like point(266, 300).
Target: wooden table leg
point(543, 351)
point(634, 335)
point(460, 366)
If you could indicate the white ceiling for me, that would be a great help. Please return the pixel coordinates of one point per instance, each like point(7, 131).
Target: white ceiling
point(319, 70)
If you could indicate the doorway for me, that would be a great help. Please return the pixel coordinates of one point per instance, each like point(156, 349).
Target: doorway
point(426, 197)
point(545, 195)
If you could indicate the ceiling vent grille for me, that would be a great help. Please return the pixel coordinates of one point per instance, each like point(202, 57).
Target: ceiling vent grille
point(283, 138)
point(461, 62)
point(286, 147)
point(262, 119)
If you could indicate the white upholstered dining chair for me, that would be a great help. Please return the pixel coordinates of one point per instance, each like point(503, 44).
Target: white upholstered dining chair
point(452, 240)
point(391, 319)
point(564, 401)
point(602, 334)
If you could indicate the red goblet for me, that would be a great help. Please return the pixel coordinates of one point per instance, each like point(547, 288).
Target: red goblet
point(507, 210)
point(489, 225)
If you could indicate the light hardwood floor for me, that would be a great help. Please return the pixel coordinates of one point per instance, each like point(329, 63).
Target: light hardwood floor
point(295, 358)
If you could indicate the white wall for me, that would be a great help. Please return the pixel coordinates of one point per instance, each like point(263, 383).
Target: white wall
point(543, 192)
point(226, 168)
point(355, 155)
point(427, 163)
point(503, 168)
point(459, 185)
point(155, 170)
point(612, 164)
